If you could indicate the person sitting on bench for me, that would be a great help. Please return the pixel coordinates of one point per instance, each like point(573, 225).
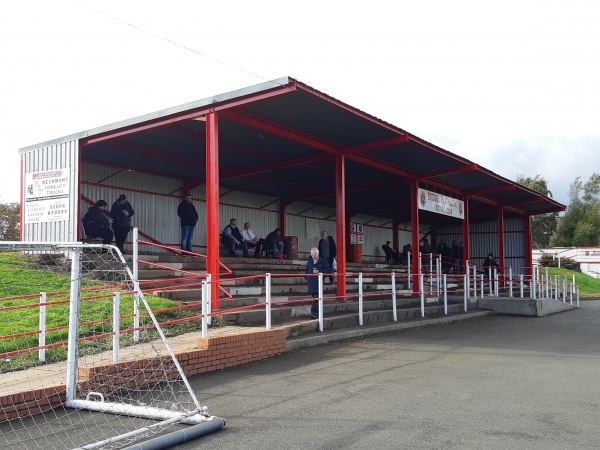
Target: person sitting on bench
point(252, 240)
point(96, 222)
point(232, 239)
point(390, 253)
point(274, 244)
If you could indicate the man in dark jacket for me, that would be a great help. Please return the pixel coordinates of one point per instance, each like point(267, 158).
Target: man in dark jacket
point(316, 264)
point(232, 239)
point(121, 213)
point(327, 249)
point(274, 243)
point(390, 253)
point(489, 265)
point(189, 217)
point(96, 222)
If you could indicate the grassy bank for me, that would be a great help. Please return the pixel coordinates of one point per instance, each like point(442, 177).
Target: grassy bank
point(20, 285)
point(588, 286)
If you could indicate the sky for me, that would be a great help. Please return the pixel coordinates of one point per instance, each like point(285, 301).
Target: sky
point(513, 86)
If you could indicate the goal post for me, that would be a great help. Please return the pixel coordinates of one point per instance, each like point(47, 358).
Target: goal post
point(109, 374)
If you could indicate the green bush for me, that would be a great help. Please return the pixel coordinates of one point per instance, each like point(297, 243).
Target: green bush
point(549, 260)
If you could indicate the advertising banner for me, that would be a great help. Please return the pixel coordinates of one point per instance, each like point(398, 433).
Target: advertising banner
point(47, 196)
point(441, 204)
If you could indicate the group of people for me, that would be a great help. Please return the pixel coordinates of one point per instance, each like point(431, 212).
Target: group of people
point(233, 239)
point(394, 256)
point(452, 255)
point(100, 223)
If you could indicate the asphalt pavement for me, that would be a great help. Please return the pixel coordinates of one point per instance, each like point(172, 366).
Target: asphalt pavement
point(493, 382)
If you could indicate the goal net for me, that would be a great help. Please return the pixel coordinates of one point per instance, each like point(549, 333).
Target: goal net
point(84, 361)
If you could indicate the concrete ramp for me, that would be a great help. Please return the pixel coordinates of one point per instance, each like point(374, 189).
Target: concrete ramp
point(523, 306)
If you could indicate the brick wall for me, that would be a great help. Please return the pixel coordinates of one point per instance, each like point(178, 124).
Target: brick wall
point(211, 354)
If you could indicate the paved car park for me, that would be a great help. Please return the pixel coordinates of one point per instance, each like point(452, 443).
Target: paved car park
point(494, 382)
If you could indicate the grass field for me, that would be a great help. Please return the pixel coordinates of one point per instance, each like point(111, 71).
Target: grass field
point(19, 317)
point(19, 323)
point(588, 286)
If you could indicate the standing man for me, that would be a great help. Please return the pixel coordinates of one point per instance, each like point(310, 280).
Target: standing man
point(489, 265)
point(232, 239)
point(316, 264)
point(327, 250)
point(425, 250)
point(189, 217)
point(121, 213)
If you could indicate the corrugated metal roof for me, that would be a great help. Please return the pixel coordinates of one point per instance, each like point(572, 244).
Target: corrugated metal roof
point(282, 138)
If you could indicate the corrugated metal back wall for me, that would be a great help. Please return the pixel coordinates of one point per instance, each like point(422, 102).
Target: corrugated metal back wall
point(155, 200)
point(515, 244)
point(63, 155)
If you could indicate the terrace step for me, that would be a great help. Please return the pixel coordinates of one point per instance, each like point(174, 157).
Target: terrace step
point(339, 314)
point(288, 288)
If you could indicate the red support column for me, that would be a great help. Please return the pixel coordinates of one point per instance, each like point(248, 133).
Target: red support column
point(501, 237)
point(414, 217)
point(340, 224)
point(466, 233)
point(282, 206)
point(395, 239)
point(528, 247)
point(212, 203)
point(22, 204)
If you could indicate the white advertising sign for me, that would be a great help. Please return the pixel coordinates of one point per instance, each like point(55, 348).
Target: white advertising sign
point(47, 196)
point(357, 233)
point(438, 203)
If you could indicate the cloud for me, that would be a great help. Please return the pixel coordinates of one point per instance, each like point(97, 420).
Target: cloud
point(557, 159)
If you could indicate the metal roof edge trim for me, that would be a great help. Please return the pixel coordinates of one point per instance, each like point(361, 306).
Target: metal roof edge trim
point(254, 89)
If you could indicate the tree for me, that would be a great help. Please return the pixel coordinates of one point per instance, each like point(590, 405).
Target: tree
point(580, 226)
point(10, 221)
point(543, 226)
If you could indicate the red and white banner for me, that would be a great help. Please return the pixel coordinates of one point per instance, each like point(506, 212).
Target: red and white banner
point(440, 204)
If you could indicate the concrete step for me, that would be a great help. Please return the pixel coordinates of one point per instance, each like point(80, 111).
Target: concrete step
point(339, 314)
point(371, 318)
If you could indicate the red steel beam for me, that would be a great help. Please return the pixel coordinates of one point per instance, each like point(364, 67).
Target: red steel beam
point(282, 131)
point(466, 226)
point(375, 145)
point(528, 247)
point(316, 193)
point(382, 165)
point(438, 173)
point(342, 105)
point(340, 224)
point(119, 166)
point(507, 187)
point(191, 114)
point(212, 204)
point(415, 234)
point(274, 166)
point(153, 152)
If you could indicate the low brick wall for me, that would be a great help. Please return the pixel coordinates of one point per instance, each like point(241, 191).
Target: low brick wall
point(229, 351)
point(211, 354)
point(31, 402)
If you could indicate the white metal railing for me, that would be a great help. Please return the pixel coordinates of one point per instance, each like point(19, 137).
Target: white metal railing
point(541, 285)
